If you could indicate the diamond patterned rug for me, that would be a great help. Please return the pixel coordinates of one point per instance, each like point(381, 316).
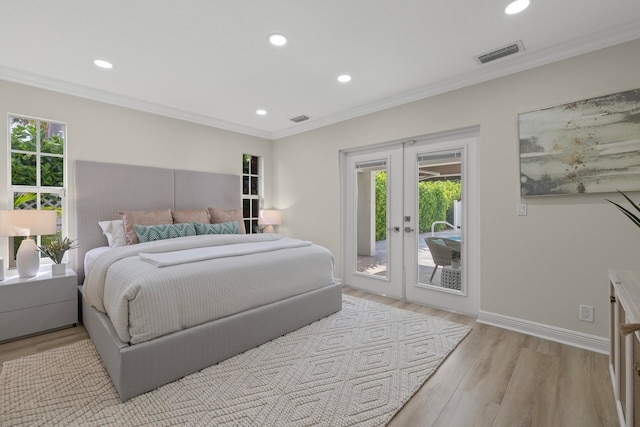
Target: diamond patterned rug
point(357, 367)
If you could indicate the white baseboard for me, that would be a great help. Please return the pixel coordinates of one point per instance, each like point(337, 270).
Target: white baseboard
point(552, 333)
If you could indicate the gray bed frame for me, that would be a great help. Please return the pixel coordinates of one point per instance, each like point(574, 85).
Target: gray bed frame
point(101, 190)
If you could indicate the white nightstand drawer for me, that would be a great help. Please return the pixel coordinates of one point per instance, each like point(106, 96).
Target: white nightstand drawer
point(33, 320)
point(37, 304)
point(16, 296)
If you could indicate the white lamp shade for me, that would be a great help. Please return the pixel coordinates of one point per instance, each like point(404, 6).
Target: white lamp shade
point(270, 217)
point(27, 222)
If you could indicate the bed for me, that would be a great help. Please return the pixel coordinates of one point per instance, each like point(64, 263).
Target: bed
point(138, 363)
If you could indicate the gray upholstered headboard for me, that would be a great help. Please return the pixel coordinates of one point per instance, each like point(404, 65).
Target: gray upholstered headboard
point(103, 189)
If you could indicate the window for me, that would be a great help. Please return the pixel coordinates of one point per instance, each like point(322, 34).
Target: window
point(251, 191)
point(37, 169)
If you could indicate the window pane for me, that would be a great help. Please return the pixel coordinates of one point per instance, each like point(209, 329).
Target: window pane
point(23, 134)
point(246, 208)
point(254, 185)
point(25, 201)
point(246, 163)
point(254, 208)
point(51, 137)
point(245, 185)
point(52, 201)
point(255, 228)
point(247, 226)
point(371, 219)
point(23, 169)
point(51, 171)
point(254, 165)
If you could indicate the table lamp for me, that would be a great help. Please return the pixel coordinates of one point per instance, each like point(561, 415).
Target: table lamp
point(22, 222)
point(269, 218)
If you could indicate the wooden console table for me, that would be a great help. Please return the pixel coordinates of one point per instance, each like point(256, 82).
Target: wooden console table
point(624, 355)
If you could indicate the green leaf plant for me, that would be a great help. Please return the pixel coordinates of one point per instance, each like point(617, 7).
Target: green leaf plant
point(56, 248)
point(632, 216)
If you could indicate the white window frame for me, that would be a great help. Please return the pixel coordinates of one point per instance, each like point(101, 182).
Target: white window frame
point(37, 189)
point(253, 197)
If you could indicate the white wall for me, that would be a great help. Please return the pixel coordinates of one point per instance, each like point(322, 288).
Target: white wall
point(538, 268)
point(106, 133)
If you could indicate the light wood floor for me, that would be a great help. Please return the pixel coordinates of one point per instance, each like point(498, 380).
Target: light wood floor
point(495, 377)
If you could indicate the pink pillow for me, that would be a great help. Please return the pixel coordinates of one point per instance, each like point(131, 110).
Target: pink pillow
point(196, 215)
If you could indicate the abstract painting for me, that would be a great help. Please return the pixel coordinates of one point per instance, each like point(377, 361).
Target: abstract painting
point(590, 146)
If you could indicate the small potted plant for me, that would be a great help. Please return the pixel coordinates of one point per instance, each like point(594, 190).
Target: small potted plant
point(455, 259)
point(55, 249)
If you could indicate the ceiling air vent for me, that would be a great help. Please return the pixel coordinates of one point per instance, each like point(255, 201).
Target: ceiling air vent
point(500, 53)
point(299, 119)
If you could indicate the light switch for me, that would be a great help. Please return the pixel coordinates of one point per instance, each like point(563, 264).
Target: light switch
point(521, 209)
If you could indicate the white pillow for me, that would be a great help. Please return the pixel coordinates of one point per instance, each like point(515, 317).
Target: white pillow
point(114, 230)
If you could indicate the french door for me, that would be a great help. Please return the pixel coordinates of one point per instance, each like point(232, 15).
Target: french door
point(406, 211)
point(374, 248)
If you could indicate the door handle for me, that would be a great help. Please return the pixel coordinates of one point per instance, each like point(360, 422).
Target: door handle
point(396, 229)
point(408, 229)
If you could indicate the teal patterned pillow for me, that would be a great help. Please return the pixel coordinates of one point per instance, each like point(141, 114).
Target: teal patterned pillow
point(150, 233)
point(220, 228)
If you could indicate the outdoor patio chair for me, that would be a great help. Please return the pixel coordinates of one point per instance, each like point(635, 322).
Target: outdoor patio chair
point(441, 250)
point(455, 244)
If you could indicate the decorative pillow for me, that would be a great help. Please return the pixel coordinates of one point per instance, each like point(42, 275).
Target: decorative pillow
point(143, 218)
point(221, 228)
point(150, 233)
point(114, 230)
point(220, 215)
point(195, 215)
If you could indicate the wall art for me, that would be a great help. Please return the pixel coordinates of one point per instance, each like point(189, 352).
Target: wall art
point(590, 146)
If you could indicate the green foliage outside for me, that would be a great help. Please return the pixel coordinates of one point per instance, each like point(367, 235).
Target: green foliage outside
point(23, 165)
point(435, 203)
point(24, 138)
point(381, 205)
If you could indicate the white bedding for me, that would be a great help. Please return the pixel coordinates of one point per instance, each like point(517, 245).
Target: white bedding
point(91, 256)
point(144, 301)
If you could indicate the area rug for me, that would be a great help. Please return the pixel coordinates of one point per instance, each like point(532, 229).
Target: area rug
point(357, 367)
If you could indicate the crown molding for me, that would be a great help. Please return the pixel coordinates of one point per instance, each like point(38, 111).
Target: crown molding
point(483, 72)
point(500, 68)
point(67, 88)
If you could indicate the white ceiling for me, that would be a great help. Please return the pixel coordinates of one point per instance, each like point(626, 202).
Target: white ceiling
point(209, 61)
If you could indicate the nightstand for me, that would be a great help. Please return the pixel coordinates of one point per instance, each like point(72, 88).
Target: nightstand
point(37, 304)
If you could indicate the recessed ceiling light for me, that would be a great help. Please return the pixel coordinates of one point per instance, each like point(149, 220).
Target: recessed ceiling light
point(516, 7)
point(261, 112)
point(344, 78)
point(103, 64)
point(277, 39)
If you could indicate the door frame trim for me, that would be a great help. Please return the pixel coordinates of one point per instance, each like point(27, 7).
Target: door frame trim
point(472, 210)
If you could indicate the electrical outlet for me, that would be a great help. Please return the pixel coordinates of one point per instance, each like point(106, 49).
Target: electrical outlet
point(586, 313)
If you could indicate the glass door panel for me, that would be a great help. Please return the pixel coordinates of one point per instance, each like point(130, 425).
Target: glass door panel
point(439, 191)
point(373, 242)
point(371, 218)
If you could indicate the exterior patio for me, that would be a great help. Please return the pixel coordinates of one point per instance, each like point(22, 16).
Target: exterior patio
point(377, 264)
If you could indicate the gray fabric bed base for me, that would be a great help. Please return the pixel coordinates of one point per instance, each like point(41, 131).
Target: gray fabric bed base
point(136, 369)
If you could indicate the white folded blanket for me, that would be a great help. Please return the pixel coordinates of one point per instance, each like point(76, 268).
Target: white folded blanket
point(165, 259)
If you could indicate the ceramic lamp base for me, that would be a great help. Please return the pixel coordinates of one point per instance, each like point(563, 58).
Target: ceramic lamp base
point(28, 258)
